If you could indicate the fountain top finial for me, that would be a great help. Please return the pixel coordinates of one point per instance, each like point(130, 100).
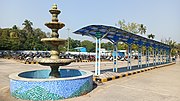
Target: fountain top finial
point(54, 25)
point(54, 6)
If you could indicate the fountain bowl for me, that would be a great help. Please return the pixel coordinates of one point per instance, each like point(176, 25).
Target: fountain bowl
point(55, 25)
point(54, 41)
point(51, 62)
point(36, 84)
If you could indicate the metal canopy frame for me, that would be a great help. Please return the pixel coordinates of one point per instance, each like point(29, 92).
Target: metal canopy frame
point(116, 35)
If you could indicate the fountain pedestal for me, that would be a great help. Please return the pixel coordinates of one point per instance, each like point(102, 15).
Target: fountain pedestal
point(54, 62)
point(54, 72)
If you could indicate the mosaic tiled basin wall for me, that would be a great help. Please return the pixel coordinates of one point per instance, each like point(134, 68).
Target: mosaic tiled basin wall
point(35, 85)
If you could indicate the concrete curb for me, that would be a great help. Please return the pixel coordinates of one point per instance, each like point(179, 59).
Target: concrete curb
point(121, 75)
point(91, 61)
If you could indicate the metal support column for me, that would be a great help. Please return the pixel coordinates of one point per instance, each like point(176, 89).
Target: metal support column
point(162, 56)
point(129, 56)
point(147, 56)
point(115, 58)
point(166, 56)
point(140, 57)
point(98, 57)
point(169, 55)
point(159, 55)
point(154, 56)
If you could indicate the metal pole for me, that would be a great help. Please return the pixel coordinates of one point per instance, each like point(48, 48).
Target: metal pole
point(169, 55)
point(99, 57)
point(154, 61)
point(96, 63)
point(140, 57)
point(115, 58)
point(153, 55)
point(147, 56)
point(129, 56)
point(162, 56)
point(166, 56)
point(159, 51)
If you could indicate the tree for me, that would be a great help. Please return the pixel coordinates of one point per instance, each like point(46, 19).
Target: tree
point(130, 27)
point(133, 27)
point(89, 45)
point(122, 24)
point(170, 42)
point(14, 38)
point(177, 46)
point(122, 46)
point(107, 46)
point(151, 36)
point(172, 45)
point(74, 43)
point(22, 39)
point(28, 27)
point(142, 29)
point(14, 43)
point(15, 27)
point(5, 39)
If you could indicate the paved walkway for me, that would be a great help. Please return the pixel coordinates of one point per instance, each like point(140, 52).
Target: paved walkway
point(161, 84)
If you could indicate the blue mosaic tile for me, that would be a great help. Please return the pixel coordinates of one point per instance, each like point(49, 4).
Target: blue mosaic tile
point(50, 90)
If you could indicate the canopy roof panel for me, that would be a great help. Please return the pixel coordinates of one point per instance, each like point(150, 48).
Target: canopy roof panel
point(118, 35)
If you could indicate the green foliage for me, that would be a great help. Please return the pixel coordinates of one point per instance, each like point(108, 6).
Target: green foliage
point(134, 47)
point(131, 27)
point(142, 29)
point(73, 44)
point(172, 45)
point(5, 42)
point(151, 36)
point(177, 46)
point(122, 46)
point(22, 39)
point(28, 26)
point(90, 46)
point(107, 46)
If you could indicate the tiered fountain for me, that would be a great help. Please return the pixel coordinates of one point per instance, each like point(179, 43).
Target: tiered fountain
point(51, 84)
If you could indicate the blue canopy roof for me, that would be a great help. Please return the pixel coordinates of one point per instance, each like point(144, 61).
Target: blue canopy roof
point(116, 35)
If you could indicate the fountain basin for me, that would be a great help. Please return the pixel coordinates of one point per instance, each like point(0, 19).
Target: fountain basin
point(36, 85)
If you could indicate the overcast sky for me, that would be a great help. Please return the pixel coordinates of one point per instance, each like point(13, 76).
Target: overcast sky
point(161, 17)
